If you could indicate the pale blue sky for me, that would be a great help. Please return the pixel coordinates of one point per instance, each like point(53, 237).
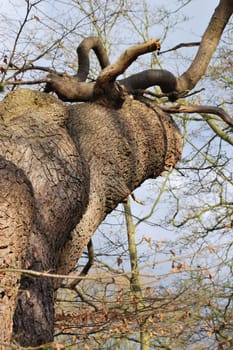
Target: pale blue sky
point(199, 10)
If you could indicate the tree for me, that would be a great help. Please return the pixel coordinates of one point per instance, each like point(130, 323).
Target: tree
point(67, 166)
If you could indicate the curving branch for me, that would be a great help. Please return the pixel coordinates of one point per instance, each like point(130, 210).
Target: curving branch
point(176, 87)
point(151, 77)
point(199, 109)
point(75, 89)
point(208, 45)
point(111, 72)
point(107, 76)
point(70, 88)
point(83, 51)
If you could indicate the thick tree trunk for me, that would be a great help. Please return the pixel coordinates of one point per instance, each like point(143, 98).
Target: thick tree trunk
point(66, 166)
point(34, 314)
point(16, 218)
point(123, 147)
point(34, 137)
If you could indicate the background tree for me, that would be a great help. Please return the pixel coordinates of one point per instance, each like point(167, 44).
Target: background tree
point(200, 160)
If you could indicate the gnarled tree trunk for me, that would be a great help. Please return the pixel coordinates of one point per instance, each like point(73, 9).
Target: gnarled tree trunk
point(65, 168)
point(16, 221)
point(123, 148)
point(44, 195)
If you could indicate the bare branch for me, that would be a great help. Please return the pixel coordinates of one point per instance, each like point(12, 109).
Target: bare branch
point(179, 46)
point(26, 82)
point(28, 67)
point(209, 42)
point(110, 73)
point(199, 109)
point(73, 90)
point(151, 77)
point(22, 25)
point(83, 50)
point(85, 270)
point(218, 131)
point(69, 89)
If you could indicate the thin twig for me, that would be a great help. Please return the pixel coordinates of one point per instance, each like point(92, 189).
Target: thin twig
point(191, 44)
point(89, 264)
point(27, 82)
point(43, 274)
point(29, 7)
point(59, 276)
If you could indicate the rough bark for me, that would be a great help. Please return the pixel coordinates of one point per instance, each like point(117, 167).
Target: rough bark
point(34, 137)
point(123, 148)
point(16, 221)
point(64, 169)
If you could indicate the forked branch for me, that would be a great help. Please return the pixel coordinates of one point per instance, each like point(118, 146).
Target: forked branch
point(75, 89)
point(176, 87)
point(110, 73)
point(69, 89)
